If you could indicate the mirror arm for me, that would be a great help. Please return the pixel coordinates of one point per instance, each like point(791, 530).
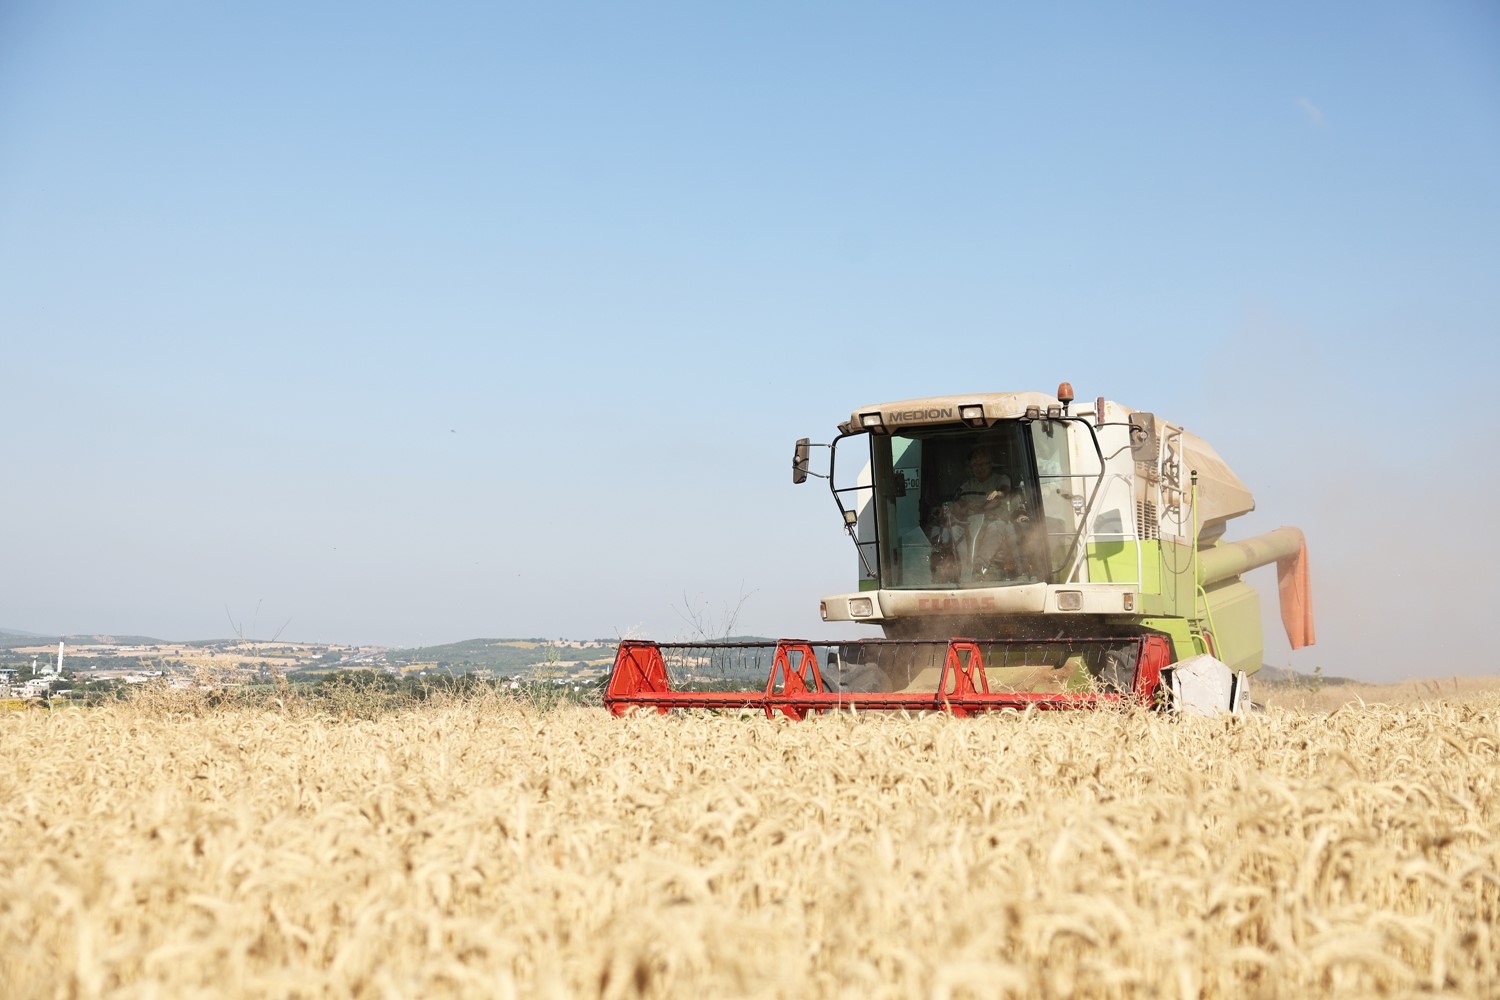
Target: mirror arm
point(800, 471)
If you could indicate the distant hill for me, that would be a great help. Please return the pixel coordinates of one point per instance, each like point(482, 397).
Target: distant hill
point(10, 638)
point(504, 657)
point(511, 657)
point(507, 656)
point(1287, 677)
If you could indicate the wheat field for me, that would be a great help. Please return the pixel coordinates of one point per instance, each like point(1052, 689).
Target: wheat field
point(488, 848)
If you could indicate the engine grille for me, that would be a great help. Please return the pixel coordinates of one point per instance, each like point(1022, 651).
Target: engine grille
point(1145, 519)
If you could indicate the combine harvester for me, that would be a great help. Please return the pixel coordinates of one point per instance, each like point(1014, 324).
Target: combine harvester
point(1015, 554)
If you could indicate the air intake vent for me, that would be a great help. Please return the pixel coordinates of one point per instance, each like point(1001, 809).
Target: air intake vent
point(1145, 519)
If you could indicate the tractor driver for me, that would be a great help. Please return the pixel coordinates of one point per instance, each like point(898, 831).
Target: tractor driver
point(1000, 549)
point(985, 487)
point(985, 491)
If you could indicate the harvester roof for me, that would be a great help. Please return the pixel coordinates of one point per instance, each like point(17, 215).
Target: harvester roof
point(1222, 496)
point(949, 409)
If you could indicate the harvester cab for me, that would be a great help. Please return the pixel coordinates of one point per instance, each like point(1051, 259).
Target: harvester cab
point(1014, 551)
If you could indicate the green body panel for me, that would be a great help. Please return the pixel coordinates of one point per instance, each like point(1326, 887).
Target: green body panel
point(1166, 571)
point(1114, 562)
point(1234, 620)
point(1180, 632)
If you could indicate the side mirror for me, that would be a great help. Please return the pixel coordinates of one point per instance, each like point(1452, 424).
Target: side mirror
point(1143, 446)
point(799, 461)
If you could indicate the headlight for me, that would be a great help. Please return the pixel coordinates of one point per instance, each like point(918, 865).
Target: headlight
point(861, 607)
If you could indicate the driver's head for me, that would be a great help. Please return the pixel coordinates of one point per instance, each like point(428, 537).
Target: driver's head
point(981, 463)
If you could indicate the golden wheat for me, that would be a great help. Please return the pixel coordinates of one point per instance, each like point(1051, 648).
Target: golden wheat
point(484, 848)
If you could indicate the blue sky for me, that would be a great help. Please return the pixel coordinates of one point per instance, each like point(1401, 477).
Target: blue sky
point(398, 322)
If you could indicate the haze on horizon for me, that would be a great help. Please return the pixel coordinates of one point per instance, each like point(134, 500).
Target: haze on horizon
point(409, 326)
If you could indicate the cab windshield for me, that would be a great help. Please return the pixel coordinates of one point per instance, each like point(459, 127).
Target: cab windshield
point(964, 507)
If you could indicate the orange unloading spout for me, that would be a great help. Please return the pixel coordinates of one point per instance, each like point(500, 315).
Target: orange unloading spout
point(1288, 550)
point(1296, 596)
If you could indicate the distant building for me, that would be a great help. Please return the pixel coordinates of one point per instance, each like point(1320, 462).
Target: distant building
point(37, 687)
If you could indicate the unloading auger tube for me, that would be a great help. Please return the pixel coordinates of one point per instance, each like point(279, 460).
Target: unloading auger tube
point(1014, 552)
